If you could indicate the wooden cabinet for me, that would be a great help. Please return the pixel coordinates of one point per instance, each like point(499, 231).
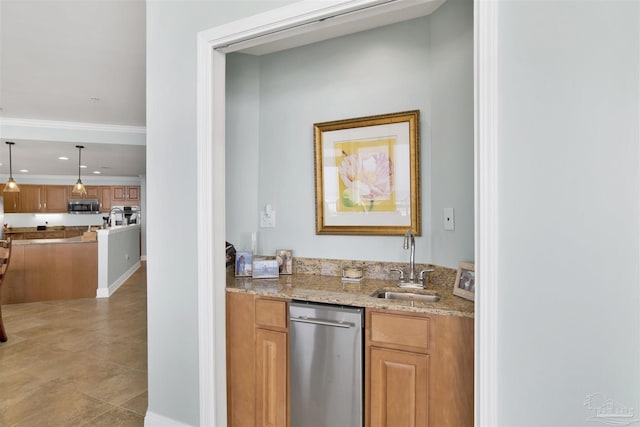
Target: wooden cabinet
point(272, 366)
point(105, 199)
point(41, 199)
point(125, 195)
point(31, 198)
point(44, 235)
point(399, 388)
point(55, 198)
point(93, 192)
point(419, 370)
point(271, 378)
point(257, 361)
point(11, 202)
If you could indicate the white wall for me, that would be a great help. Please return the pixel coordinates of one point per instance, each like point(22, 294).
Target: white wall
point(569, 300)
point(424, 64)
point(171, 152)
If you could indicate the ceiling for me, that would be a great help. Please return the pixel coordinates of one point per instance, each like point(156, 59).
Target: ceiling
point(73, 61)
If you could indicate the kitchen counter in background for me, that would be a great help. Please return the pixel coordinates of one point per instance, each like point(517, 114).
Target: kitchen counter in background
point(332, 290)
point(51, 269)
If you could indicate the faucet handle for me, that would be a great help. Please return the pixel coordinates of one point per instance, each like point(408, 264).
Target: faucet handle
point(423, 274)
point(399, 270)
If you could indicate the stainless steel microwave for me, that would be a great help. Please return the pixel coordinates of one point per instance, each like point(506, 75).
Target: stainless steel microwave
point(83, 206)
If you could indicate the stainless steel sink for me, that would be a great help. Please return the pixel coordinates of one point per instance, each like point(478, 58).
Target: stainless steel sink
point(407, 295)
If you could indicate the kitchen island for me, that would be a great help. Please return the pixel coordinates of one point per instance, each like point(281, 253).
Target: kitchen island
point(88, 266)
point(51, 269)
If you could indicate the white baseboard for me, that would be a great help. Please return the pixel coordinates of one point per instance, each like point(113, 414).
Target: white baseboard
point(155, 420)
point(143, 257)
point(106, 293)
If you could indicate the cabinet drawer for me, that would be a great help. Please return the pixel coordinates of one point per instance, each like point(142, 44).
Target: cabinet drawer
point(271, 313)
point(400, 330)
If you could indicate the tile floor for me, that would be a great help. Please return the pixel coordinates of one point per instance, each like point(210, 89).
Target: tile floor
point(77, 362)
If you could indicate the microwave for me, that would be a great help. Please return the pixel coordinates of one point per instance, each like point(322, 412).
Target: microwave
point(83, 206)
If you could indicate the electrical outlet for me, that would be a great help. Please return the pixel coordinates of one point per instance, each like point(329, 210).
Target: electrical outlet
point(449, 219)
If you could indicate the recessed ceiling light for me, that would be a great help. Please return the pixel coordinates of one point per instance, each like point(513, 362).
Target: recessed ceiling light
point(97, 172)
point(24, 170)
point(63, 158)
point(83, 166)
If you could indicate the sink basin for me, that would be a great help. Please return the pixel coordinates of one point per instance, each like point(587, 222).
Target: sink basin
point(407, 295)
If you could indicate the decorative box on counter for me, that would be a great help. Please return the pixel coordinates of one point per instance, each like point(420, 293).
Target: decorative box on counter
point(89, 236)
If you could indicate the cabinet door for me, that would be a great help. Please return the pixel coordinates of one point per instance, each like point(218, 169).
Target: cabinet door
point(30, 198)
point(271, 378)
point(11, 202)
point(118, 193)
point(399, 388)
point(105, 199)
point(133, 193)
point(55, 198)
point(92, 192)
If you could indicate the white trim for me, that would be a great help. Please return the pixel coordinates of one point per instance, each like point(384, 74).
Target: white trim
point(143, 258)
point(211, 172)
point(486, 210)
point(152, 419)
point(113, 287)
point(54, 124)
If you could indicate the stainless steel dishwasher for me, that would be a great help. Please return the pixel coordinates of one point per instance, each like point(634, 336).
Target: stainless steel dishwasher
point(326, 368)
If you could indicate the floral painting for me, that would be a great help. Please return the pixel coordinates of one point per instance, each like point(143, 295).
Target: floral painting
point(365, 169)
point(367, 175)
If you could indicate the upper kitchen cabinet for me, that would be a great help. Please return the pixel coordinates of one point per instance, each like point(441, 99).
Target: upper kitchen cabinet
point(42, 198)
point(11, 202)
point(104, 196)
point(31, 198)
point(125, 194)
point(55, 198)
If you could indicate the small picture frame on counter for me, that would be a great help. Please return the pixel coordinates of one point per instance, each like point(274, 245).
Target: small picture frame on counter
point(465, 285)
point(265, 268)
point(244, 262)
point(285, 261)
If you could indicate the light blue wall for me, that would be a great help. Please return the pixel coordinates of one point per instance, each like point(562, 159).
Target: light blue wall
point(171, 223)
point(424, 64)
point(569, 198)
point(124, 252)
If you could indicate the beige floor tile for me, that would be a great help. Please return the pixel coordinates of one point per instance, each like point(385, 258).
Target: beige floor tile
point(117, 417)
point(138, 404)
point(78, 362)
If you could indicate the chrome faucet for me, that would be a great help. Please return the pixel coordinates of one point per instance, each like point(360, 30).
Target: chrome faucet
point(413, 281)
point(410, 243)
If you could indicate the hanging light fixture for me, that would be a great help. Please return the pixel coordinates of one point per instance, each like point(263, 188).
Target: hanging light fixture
point(11, 186)
point(78, 189)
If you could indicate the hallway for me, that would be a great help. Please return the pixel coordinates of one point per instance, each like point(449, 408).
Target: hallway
point(76, 362)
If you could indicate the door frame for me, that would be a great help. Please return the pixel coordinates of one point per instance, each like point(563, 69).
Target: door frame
point(288, 22)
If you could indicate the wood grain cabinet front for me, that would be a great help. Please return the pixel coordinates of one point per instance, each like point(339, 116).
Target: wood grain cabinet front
point(418, 370)
point(257, 361)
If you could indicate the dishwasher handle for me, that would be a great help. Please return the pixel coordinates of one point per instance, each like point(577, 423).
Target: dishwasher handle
point(322, 322)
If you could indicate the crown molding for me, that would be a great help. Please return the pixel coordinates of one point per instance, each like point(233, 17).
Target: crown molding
point(54, 124)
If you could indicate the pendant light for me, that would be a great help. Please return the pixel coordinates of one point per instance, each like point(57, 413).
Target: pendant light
point(78, 189)
point(11, 186)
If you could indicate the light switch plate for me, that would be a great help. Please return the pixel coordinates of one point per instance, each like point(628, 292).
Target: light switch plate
point(268, 220)
point(449, 219)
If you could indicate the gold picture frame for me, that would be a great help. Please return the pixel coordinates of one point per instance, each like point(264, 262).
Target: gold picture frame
point(367, 173)
point(465, 285)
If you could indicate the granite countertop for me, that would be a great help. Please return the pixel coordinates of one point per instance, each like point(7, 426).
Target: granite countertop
point(77, 239)
point(49, 228)
point(331, 289)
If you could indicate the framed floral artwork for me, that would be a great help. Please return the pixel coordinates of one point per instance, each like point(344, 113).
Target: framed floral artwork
point(367, 175)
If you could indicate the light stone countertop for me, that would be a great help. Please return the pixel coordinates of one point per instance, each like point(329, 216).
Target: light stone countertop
point(77, 239)
point(332, 290)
